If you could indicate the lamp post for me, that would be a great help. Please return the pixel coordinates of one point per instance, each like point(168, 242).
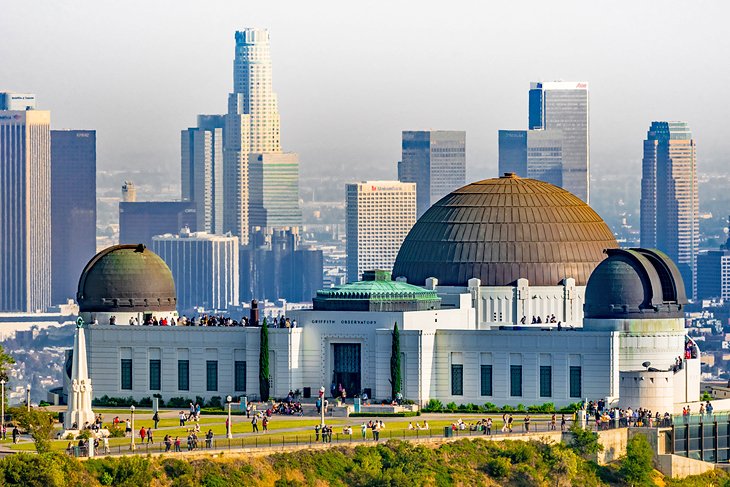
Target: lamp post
point(321, 409)
point(132, 445)
point(27, 397)
point(2, 424)
point(229, 426)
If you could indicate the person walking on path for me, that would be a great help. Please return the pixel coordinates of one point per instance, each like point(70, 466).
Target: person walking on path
point(16, 434)
point(177, 444)
point(363, 430)
point(149, 435)
point(316, 433)
point(142, 433)
point(255, 425)
point(107, 451)
point(168, 443)
point(527, 423)
point(156, 418)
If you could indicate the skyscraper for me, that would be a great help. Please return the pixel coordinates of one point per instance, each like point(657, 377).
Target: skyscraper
point(275, 267)
point(17, 101)
point(251, 126)
point(436, 161)
point(139, 221)
point(73, 208)
point(513, 152)
point(563, 105)
point(545, 156)
point(535, 154)
point(25, 210)
point(379, 215)
point(202, 170)
point(274, 190)
point(670, 196)
point(204, 267)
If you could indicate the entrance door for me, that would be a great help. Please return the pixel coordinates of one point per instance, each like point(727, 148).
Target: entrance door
point(347, 367)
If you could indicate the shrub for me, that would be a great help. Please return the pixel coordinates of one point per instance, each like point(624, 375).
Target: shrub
point(498, 467)
point(490, 407)
point(115, 431)
point(585, 442)
point(145, 402)
point(452, 407)
point(637, 466)
point(433, 406)
point(215, 402)
point(179, 402)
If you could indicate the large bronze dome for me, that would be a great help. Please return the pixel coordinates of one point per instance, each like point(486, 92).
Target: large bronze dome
point(503, 229)
point(126, 278)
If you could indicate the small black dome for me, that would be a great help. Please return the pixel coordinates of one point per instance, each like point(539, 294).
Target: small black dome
point(126, 278)
point(635, 283)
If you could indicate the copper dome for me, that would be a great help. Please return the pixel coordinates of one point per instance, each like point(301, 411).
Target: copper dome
point(503, 229)
point(126, 278)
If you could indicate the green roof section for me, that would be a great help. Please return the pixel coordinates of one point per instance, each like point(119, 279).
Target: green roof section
point(376, 292)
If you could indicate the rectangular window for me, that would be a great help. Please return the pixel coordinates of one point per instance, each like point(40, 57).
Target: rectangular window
point(183, 375)
point(155, 375)
point(546, 381)
point(127, 373)
point(486, 380)
point(240, 375)
point(575, 381)
point(211, 375)
point(457, 380)
point(515, 379)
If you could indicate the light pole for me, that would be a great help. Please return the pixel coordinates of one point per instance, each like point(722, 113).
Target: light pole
point(132, 445)
point(229, 426)
point(2, 425)
point(27, 397)
point(321, 403)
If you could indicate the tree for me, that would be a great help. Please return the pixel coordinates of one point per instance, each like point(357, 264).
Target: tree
point(38, 423)
point(5, 361)
point(264, 362)
point(585, 442)
point(395, 378)
point(636, 468)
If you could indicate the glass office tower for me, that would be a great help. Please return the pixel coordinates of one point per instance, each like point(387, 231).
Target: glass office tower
point(563, 105)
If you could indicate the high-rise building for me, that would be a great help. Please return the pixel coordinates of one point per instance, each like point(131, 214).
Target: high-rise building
point(25, 210)
point(535, 154)
point(141, 220)
point(251, 126)
point(379, 215)
point(17, 101)
point(204, 267)
point(513, 152)
point(276, 266)
point(670, 196)
point(73, 208)
point(436, 161)
point(202, 170)
point(545, 156)
point(713, 274)
point(274, 190)
point(563, 105)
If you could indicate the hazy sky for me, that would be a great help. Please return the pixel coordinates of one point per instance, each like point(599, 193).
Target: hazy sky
point(351, 75)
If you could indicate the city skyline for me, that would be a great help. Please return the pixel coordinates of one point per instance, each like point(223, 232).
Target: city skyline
point(321, 84)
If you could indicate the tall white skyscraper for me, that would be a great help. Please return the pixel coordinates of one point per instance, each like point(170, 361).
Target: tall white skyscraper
point(202, 171)
point(252, 126)
point(379, 216)
point(204, 267)
point(563, 106)
point(25, 210)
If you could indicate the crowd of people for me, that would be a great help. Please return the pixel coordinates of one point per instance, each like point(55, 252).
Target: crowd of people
point(206, 320)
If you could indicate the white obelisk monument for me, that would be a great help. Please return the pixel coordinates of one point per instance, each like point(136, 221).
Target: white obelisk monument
point(79, 396)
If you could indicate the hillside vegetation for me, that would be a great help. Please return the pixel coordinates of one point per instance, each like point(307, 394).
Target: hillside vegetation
point(395, 463)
